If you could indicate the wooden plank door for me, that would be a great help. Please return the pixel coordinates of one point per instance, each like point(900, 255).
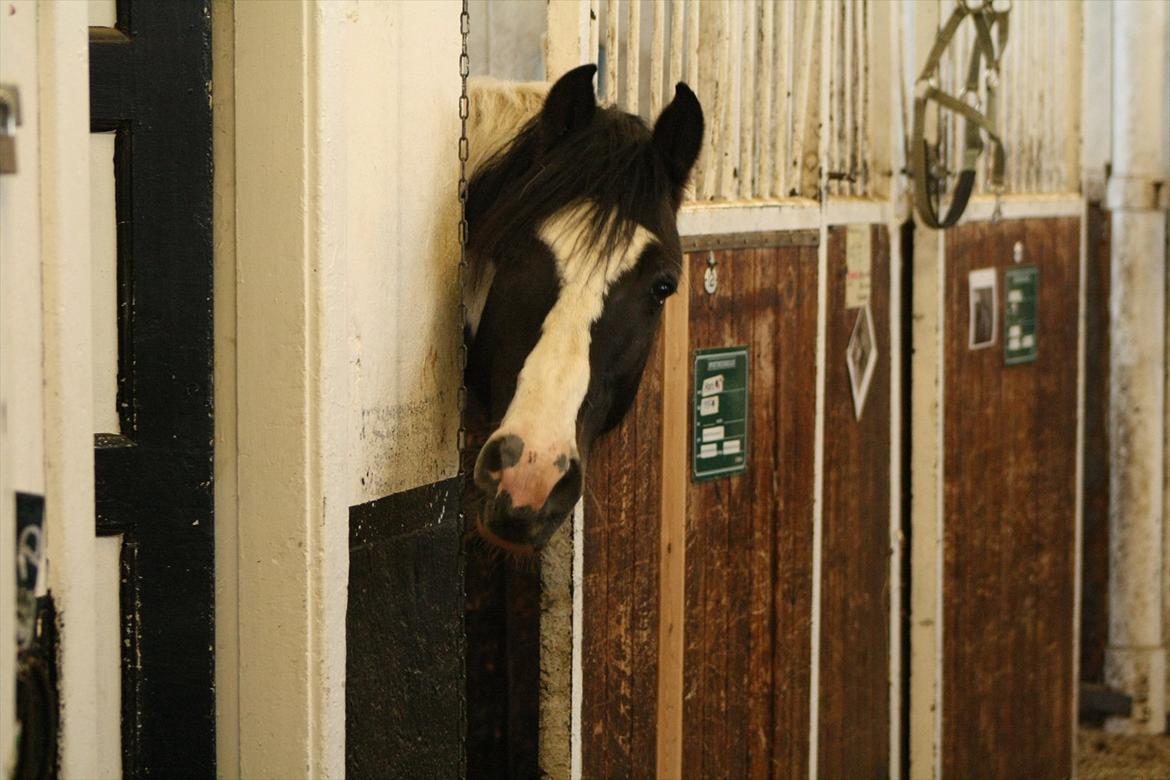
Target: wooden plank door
point(1010, 514)
point(748, 608)
point(854, 680)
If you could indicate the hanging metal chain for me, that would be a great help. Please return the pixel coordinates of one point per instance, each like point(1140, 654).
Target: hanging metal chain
point(464, 149)
point(461, 436)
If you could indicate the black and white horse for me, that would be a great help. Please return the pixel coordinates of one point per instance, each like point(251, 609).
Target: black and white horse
point(574, 248)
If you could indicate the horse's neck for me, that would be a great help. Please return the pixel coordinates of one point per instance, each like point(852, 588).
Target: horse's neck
point(498, 110)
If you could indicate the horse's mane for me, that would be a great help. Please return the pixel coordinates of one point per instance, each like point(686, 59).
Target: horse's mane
point(609, 170)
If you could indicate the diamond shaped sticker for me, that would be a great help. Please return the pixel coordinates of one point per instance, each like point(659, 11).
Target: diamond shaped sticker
point(861, 357)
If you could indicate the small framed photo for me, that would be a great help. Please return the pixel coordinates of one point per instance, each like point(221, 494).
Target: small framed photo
point(861, 357)
point(981, 294)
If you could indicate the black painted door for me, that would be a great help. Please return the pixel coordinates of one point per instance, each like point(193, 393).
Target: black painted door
point(150, 82)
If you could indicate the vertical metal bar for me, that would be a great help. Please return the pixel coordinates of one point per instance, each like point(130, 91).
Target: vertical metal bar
point(746, 97)
point(633, 56)
point(728, 81)
point(862, 166)
point(612, 45)
point(1058, 78)
point(782, 135)
point(1014, 55)
point(676, 46)
point(833, 82)
point(767, 82)
point(804, 57)
point(848, 160)
point(594, 17)
point(1037, 96)
point(692, 33)
point(715, 28)
point(657, 55)
point(694, 20)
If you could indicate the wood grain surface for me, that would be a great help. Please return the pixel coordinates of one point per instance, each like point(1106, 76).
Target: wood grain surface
point(854, 720)
point(620, 659)
point(1095, 488)
point(749, 537)
point(1009, 513)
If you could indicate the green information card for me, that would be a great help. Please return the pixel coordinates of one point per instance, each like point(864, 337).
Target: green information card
point(719, 433)
point(1021, 289)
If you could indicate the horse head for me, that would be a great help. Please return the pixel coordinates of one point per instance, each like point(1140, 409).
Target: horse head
point(574, 245)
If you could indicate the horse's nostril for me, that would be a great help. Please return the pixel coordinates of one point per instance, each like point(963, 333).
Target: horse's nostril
point(497, 455)
point(565, 493)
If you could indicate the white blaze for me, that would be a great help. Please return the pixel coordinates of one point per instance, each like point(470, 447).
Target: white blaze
point(555, 377)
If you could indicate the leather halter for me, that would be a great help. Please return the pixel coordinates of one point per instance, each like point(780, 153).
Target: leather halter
point(985, 58)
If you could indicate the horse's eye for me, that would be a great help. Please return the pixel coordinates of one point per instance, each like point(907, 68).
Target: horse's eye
point(663, 289)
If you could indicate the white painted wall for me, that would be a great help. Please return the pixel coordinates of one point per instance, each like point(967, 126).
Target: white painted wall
point(397, 177)
point(21, 438)
point(45, 371)
point(63, 60)
point(336, 335)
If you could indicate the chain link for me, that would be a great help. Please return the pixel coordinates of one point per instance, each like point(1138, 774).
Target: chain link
point(461, 398)
point(464, 149)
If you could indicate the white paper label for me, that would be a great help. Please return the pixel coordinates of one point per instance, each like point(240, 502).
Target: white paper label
point(858, 259)
point(713, 385)
point(709, 405)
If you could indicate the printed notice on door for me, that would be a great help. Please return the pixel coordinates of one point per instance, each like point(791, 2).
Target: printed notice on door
point(858, 254)
point(719, 429)
point(1021, 286)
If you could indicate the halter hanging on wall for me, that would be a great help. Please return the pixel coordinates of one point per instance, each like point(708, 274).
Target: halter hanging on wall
point(927, 165)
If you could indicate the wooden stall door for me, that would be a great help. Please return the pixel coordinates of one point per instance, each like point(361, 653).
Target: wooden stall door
point(1010, 514)
point(749, 537)
point(854, 713)
point(622, 535)
point(748, 546)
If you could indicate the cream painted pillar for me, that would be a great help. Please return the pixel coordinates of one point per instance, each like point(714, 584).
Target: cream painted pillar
point(336, 338)
point(1135, 660)
point(921, 22)
point(291, 391)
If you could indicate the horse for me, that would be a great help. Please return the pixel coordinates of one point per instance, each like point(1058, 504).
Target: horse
point(573, 248)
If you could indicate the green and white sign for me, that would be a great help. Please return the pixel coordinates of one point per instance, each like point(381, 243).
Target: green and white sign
point(719, 430)
point(1021, 289)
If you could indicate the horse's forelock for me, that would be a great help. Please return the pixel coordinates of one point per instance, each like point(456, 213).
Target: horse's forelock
point(609, 171)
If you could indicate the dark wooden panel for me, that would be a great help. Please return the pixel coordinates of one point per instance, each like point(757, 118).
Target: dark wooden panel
point(1009, 513)
point(502, 625)
point(855, 598)
point(622, 531)
point(748, 545)
point(1095, 487)
point(404, 635)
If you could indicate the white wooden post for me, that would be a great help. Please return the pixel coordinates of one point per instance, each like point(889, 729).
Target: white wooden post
point(1135, 660)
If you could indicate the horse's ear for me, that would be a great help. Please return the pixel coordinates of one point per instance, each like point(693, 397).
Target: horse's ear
point(678, 135)
point(570, 104)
